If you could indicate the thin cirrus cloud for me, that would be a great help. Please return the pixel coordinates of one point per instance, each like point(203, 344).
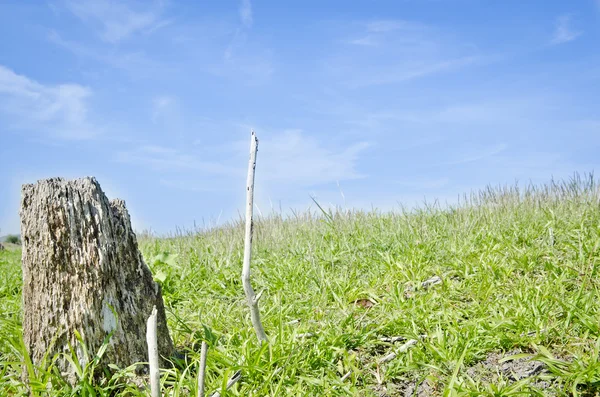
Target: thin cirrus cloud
point(384, 52)
point(477, 154)
point(57, 110)
point(564, 32)
point(160, 105)
point(137, 64)
point(295, 158)
point(289, 158)
point(246, 13)
point(116, 20)
point(377, 32)
point(168, 159)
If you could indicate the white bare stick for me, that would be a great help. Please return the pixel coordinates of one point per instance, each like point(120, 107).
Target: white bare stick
point(232, 381)
point(252, 299)
point(202, 369)
point(153, 354)
point(435, 280)
point(346, 376)
point(387, 358)
point(402, 349)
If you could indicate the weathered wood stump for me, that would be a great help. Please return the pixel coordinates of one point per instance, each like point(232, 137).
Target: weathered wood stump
point(82, 271)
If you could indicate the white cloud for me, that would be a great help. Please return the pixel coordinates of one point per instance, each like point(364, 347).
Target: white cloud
point(117, 20)
point(476, 154)
point(246, 13)
point(161, 105)
point(368, 41)
point(288, 159)
point(563, 32)
point(59, 110)
point(411, 70)
point(384, 52)
point(376, 33)
point(297, 159)
point(167, 159)
point(163, 101)
point(243, 59)
point(137, 63)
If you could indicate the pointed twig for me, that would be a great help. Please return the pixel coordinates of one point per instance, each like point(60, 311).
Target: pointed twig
point(252, 299)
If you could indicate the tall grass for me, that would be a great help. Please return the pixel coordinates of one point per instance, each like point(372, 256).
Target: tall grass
point(519, 273)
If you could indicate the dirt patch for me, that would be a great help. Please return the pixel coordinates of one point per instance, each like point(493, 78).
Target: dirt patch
point(491, 370)
point(419, 388)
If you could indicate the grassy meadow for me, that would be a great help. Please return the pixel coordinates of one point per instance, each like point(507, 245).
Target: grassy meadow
point(497, 296)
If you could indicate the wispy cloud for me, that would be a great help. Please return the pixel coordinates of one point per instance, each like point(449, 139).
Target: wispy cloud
point(368, 41)
point(295, 158)
point(117, 20)
point(244, 59)
point(375, 33)
point(287, 159)
point(160, 104)
point(245, 11)
point(168, 159)
point(137, 64)
point(563, 32)
point(416, 69)
point(59, 110)
point(476, 154)
point(386, 52)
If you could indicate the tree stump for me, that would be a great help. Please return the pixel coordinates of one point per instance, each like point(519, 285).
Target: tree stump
point(82, 271)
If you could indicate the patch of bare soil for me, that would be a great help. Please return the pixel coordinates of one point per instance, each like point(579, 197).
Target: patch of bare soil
point(488, 371)
point(491, 370)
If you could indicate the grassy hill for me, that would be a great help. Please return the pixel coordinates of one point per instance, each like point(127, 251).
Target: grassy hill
point(495, 297)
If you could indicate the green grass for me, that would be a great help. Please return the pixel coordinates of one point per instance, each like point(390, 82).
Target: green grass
point(519, 271)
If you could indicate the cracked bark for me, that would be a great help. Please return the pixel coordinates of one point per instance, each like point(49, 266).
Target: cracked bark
point(82, 271)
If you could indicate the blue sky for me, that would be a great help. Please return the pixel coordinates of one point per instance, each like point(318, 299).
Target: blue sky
point(359, 103)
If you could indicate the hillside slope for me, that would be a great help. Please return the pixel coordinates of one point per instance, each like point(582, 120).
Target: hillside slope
point(463, 297)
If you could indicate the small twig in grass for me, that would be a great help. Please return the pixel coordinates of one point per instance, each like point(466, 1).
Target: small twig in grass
point(392, 339)
point(346, 376)
point(232, 381)
point(151, 329)
point(293, 322)
point(388, 358)
point(402, 349)
point(202, 369)
point(250, 296)
point(431, 282)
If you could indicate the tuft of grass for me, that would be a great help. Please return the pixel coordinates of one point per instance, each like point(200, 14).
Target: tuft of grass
point(519, 271)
